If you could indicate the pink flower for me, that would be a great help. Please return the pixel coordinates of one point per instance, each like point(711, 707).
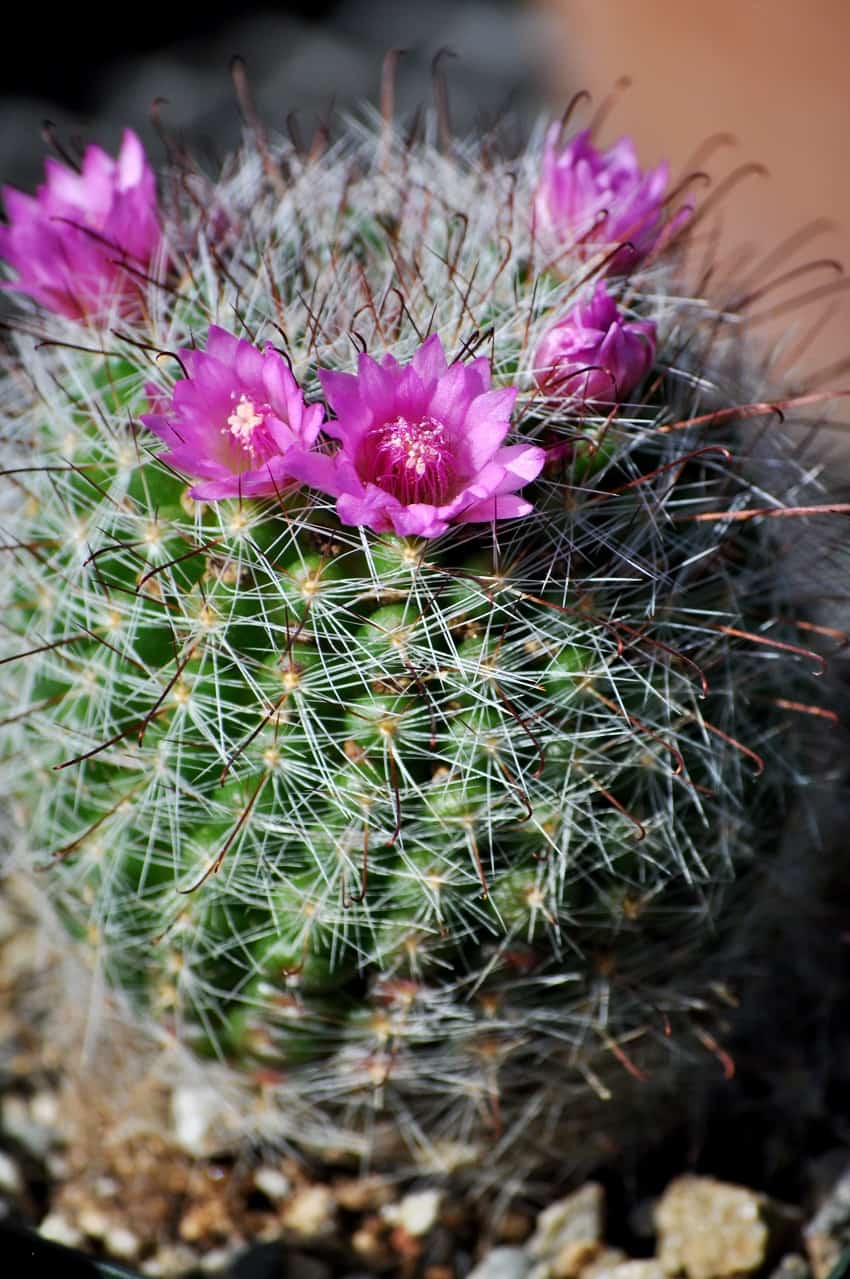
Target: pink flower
point(586, 196)
point(77, 242)
point(594, 354)
point(421, 446)
point(234, 420)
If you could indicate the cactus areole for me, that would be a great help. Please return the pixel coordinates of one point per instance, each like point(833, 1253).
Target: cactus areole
point(396, 741)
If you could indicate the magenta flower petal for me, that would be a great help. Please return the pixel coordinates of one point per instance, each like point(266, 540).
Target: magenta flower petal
point(80, 246)
point(596, 198)
point(161, 426)
point(323, 473)
point(485, 418)
point(502, 507)
point(454, 394)
point(420, 444)
point(522, 462)
point(418, 520)
point(371, 510)
point(236, 420)
point(343, 395)
point(430, 360)
point(272, 478)
point(594, 354)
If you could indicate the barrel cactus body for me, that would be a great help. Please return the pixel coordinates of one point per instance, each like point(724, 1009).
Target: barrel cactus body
point(422, 824)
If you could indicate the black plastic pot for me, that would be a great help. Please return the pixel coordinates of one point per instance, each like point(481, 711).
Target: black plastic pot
point(23, 1253)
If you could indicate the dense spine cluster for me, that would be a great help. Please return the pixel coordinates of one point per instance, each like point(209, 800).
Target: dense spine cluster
point(439, 830)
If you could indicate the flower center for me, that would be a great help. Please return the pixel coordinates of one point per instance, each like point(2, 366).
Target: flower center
point(246, 428)
point(243, 422)
point(411, 460)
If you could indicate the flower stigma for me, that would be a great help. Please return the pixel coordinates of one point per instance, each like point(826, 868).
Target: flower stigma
point(243, 422)
point(413, 460)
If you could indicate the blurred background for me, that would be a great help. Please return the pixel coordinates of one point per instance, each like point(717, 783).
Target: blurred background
point(308, 57)
point(770, 72)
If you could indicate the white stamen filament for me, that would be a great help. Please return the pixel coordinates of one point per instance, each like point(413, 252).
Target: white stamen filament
point(243, 422)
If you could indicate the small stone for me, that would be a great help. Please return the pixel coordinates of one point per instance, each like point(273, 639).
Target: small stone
point(574, 1259)
point(92, 1222)
point(122, 1243)
point(58, 1166)
point(18, 1123)
point(44, 1109)
point(369, 1241)
point(417, 1213)
point(171, 1261)
point(577, 1219)
point(194, 1112)
point(216, 1261)
point(502, 1263)
point(607, 1261)
point(648, 1268)
point(828, 1233)
point(203, 1220)
point(11, 1182)
point(58, 1229)
point(310, 1214)
point(710, 1229)
point(273, 1183)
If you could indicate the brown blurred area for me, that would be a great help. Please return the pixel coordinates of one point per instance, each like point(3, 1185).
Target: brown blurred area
point(772, 72)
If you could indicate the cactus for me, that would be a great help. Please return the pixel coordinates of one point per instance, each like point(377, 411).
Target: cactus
point(430, 834)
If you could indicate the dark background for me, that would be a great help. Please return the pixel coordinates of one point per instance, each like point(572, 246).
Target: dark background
point(90, 77)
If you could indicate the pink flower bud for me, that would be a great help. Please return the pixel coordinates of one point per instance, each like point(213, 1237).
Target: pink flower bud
point(587, 197)
point(594, 354)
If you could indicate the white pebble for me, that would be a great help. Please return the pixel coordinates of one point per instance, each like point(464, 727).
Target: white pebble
point(417, 1212)
point(122, 1243)
point(503, 1263)
point(10, 1176)
point(194, 1111)
point(58, 1166)
point(216, 1261)
point(58, 1230)
point(310, 1213)
point(170, 1261)
point(44, 1109)
point(272, 1183)
point(93, 1222)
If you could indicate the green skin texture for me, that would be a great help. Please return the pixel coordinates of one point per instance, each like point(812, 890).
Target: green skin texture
point(439, 830)
point(385, 763)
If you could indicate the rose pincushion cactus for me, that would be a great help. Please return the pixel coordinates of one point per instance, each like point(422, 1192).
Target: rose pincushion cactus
point(391, 736)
